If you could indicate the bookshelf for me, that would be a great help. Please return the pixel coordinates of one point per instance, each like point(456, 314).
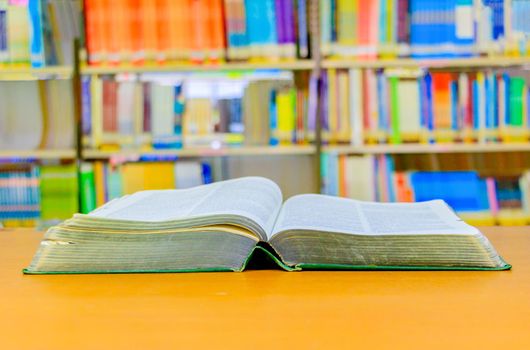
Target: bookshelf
point(21, 73)
point(293, 65)
point(41, 154)
point(202, 152)
point(429, 148)
point(316, 66)
point(454, 63)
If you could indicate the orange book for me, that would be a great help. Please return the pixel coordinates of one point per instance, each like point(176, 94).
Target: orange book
point(135, 31)
point(123, 27)
point(162, 30)
point(186, 30)
point(199, 29)
point(343, 181)
point(176, 39)
point(148, 29)
point(363, 26)
point(442, 100)
point(111, 22)
point(216, 30)
point(95, 30)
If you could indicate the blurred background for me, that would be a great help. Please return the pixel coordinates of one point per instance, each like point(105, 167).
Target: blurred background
point(384, 100)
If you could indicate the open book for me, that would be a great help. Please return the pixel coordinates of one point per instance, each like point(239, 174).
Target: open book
point(221, 226)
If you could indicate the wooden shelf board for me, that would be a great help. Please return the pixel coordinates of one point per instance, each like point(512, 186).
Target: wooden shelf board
point(430, 148)
point(153, 68)
point(38, 154)
point(27, 73)
point(203, 152)
point(429, 63)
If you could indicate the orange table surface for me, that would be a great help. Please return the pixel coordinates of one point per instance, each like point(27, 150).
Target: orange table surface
point(267, 309)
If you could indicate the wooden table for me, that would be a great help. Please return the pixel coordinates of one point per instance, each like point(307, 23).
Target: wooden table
point(267, 309)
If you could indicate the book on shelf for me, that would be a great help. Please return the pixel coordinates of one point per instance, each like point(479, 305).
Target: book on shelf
point(423, 28)
point(143, 31)
point(478, 194)
point(420, 106)
point(45, 123)
point(224, 226)
point(105, 181)
point(173, 111)
point(39, 32)
point(31, 194)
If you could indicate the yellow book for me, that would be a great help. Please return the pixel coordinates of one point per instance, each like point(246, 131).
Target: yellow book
point(99, 179)
point(133, 177)
point(96, 109)
point(285, 103)
point(347, 11)
point(159, 176)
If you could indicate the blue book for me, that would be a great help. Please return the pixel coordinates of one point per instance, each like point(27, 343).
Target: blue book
point(455, 125)
point(303, 35)
point(333, 174)
point(497, 9)
point(178, 110)
point(333, 21)
point(426, 31)
point(428, 103)
point(462, 190)
point(4, 53)
point(476, 105)
point(207, 177)
point(36, 39)
point(261, 27)
point(390, 169)
point(273, 119)
point(506, 79)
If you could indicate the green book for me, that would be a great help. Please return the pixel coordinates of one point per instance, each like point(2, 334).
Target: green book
point(88, 188)
point(223, 226)
point(59, 189)
point(516, 101)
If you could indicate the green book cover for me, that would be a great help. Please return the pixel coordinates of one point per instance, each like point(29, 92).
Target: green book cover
point(87, 187)
point(516, 101)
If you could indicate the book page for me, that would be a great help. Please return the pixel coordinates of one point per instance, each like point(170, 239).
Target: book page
point(326, 213)
point(256, 198)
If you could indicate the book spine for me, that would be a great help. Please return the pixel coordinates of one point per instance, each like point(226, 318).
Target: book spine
point(38, 58)
point(86, 112)
point(4, 51)
point(303, 34)
point(289, 26)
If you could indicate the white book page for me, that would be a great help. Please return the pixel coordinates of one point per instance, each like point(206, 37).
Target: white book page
point(326, 213)
point(256, 198)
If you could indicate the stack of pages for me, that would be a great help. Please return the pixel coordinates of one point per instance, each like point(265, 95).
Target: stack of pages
point(220, 227)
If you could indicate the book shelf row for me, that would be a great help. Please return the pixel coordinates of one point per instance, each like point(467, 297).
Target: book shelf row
point(477, 190)
point(423, 28)
point(397, 106)
point(144, 36)
point(176, 111)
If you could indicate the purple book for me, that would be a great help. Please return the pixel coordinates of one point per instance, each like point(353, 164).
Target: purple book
point(280, 21)
point(289, 23)
point(86, 120)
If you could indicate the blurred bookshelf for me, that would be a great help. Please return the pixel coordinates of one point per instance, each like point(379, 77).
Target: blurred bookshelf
point(21, 73)
point(451, 63)
point(39, 154)
point(384, 88)
point(202, 152)
point(429, 148)
point(208, 67)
